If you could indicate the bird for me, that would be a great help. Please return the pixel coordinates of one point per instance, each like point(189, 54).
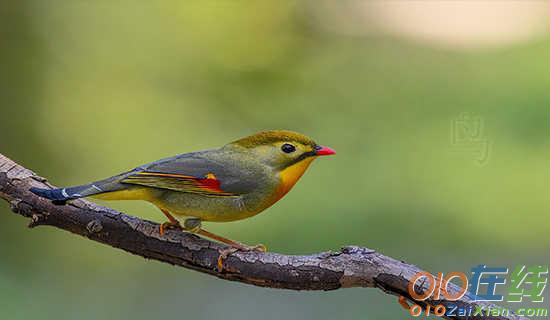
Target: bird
point(233, 182)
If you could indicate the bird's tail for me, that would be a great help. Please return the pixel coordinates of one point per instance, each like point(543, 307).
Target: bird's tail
point(60, 196)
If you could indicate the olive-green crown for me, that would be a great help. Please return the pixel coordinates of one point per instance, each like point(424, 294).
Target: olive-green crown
point(273, 136)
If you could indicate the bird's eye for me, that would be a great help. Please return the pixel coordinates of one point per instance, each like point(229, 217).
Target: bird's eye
point(288, 148)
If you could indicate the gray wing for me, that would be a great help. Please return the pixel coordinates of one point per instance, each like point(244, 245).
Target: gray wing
point(232, 178)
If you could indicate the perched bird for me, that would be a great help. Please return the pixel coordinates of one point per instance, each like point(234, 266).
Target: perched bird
point(236, 181)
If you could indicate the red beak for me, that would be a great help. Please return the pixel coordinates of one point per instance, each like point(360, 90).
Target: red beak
point(324, 151)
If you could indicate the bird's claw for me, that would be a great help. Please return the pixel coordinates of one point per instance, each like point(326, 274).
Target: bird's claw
point(168, 225)
point(259, 247)
point(224, 253)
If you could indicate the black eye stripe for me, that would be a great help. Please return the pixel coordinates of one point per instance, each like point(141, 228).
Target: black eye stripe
point(288, 148)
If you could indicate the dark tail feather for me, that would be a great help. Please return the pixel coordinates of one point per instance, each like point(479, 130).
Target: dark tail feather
point(55, 195)
point(60, 196)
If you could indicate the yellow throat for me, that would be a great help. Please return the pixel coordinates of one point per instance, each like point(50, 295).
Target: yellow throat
point(290, 175)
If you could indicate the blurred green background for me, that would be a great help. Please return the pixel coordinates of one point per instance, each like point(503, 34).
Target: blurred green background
point(90, 89)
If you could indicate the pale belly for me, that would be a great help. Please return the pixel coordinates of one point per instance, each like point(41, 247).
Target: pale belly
point(217, 209)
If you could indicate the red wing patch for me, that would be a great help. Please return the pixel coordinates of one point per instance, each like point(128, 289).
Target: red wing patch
point(210, 183)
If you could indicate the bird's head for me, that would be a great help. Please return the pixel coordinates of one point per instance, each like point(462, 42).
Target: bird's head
point(281, 149)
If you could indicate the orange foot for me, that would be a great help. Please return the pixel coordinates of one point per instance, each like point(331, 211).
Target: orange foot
point(228, 251)
point(168, 225)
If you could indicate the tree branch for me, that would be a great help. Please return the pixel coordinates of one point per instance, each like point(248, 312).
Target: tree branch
point(351, 267)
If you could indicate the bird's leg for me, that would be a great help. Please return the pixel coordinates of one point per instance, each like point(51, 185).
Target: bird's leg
point(234, 246)
point(173, 223)
point(194, 225)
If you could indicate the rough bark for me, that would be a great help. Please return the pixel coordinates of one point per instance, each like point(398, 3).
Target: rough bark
point(350, 267)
